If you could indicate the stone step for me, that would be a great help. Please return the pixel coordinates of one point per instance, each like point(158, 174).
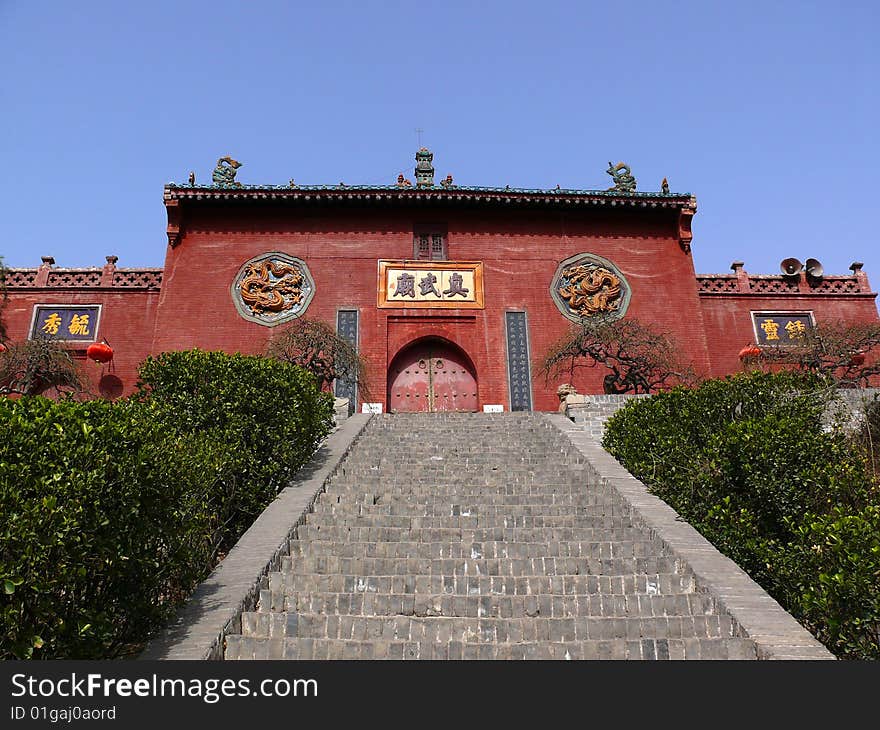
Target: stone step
point(459, 549)
point(418, 490)
point(547, 566)
point(444, 629)
point(648, 602)
point(470, 522)
point(241, 647)
point(581, 498)
point(289, 583)
point(354, 533)
point(411, 509)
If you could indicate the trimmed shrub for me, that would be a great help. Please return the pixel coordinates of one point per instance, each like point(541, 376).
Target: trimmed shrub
point(111, 513)
point(747, 461)
point(102, 525)
point(270, 415)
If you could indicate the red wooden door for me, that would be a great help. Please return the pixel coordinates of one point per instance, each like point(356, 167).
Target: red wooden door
point(431, 375)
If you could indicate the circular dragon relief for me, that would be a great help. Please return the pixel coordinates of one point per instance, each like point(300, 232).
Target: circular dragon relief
point(272, 288)
point(587, 287)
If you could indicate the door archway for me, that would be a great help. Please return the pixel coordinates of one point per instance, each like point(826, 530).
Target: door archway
point(431, 375)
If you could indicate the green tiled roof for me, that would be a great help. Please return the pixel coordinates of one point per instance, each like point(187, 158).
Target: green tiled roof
point(437, 188)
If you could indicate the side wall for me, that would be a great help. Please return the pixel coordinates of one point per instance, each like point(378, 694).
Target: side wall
point(728, 320)
point(128, 317)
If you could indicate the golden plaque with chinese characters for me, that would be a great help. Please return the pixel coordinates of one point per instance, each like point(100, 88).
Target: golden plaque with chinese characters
point(431, 284)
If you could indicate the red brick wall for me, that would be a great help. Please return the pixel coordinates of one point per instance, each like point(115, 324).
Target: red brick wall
point(127, 321)
point(729, 328)
point(520, 250)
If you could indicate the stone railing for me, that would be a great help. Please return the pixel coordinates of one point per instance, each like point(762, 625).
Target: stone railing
point(593, 411)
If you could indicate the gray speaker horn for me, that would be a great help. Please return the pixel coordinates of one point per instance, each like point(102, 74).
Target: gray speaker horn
point(814, 268)
point(791, 267)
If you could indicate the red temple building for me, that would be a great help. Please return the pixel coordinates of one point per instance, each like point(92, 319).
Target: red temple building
point(450, 292)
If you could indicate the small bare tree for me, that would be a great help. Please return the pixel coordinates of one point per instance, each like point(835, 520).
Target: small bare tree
point(639, 358)
point(32, 367)
point(315, 346)
point(848, 353)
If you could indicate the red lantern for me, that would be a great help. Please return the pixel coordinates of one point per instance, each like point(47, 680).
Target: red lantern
point(100, 352)
point(2, 347)
point(749, 351)
point(857, 358)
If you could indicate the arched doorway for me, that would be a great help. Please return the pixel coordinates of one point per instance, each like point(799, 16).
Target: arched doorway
point(431, 375)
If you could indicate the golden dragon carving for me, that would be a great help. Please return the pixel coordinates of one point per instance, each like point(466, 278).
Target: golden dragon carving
point(264, 294)
point(590, 290)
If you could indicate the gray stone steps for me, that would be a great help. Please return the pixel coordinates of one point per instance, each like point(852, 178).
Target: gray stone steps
point(402, 509)
point(444, 629)
point(355, 533)
point(461, 548)
point(470, 585)
point(459, 490)
point(429, 498)
point(470, 522)
point(547, 566)
point(474, 536)
point(241, 647)
point(676, 602)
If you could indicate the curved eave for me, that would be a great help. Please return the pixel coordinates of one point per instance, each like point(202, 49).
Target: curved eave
point(392, 194)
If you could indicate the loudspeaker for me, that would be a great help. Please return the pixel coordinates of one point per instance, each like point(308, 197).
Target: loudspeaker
point(814, 268)
point(791, 267)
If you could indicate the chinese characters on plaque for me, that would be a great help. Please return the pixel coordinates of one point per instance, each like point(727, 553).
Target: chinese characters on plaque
point(347, 329)
point(781, 328)
point(423, 284)
point(518, 369)
point(65, 322)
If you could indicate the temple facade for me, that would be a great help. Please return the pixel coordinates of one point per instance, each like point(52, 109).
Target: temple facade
point(451, 293)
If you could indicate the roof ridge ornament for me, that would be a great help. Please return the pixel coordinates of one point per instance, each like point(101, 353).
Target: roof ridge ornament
point(224, 173)
point(424, 169)
point(621, 173)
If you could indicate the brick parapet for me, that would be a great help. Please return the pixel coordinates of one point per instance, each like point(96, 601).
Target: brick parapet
point(591, 412)
point(48, 276)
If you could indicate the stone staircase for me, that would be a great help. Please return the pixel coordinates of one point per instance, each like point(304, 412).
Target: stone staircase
point(478, 536)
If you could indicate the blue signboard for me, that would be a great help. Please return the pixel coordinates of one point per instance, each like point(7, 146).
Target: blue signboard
point(781, 328)
point(71, 323)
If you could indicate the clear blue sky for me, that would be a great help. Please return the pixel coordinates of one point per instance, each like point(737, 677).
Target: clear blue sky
point(766, 111)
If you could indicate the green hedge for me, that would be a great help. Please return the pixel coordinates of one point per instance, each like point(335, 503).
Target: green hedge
point(746, 461)
point(270, 414)
point(111, 513)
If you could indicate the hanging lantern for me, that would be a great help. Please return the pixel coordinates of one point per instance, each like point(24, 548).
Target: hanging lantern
point(749, 352)
point(100, 352)
point(2, 347)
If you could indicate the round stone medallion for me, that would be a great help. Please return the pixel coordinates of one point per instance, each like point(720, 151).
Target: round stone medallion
point(272, 288)
point(588, 287)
